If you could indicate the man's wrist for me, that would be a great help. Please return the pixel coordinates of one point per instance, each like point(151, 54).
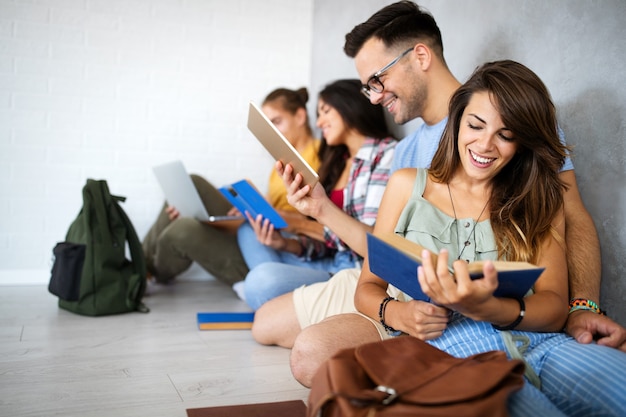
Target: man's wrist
point(584, 304)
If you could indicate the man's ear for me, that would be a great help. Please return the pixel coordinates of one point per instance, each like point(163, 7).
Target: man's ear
point(424, 56)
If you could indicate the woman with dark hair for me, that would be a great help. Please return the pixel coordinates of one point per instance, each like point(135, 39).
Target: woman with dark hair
point(355, 156)
point(369, 119)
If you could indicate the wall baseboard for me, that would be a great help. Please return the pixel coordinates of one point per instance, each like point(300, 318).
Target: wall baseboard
point(10, 277)
point(24, 277)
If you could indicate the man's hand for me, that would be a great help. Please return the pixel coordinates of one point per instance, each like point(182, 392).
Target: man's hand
point(586, 326)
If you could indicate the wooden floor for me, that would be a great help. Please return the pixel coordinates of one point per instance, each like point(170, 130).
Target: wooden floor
point(55, 363)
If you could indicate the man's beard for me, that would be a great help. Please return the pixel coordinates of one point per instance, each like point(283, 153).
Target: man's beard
point(412, 106)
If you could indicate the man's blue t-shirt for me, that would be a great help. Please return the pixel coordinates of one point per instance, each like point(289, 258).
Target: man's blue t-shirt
point(417, 149)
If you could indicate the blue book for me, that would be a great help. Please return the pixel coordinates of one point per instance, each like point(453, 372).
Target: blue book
point(247, 198)
point(225, 320)
point(395, 259)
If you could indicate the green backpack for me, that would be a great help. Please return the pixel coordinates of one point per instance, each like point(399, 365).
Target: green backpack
point(91, 274)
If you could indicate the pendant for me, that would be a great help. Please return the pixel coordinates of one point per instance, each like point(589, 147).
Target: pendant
point(467, 243)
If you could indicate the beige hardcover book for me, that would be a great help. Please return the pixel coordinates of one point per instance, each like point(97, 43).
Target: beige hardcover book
point(277, 145)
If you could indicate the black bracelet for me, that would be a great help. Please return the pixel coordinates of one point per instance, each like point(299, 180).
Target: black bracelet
point(518, 320)
point(381, 315)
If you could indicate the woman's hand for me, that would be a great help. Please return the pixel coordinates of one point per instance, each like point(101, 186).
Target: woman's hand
point(172, 213)
point(457, 291)
point(419, 319)
point(293, 219)
point(234, 211)
point(265, 232)
point(307, 201)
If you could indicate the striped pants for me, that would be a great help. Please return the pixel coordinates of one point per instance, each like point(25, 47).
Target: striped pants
point(576, 379)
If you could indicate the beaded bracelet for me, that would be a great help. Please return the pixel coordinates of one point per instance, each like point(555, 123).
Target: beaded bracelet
point(576, 304)
point(518, 320)
point(381, 315)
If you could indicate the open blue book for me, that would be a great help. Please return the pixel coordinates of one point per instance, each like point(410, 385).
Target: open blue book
point(395, 259)
point(243, 195)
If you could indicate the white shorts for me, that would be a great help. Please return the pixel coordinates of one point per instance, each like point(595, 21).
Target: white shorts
point(313, 303)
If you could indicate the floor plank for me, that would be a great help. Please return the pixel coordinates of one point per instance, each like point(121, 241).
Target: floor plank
point(56, 363)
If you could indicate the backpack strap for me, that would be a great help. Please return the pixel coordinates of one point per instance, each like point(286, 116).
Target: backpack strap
point(93, 198)
point(137, 257)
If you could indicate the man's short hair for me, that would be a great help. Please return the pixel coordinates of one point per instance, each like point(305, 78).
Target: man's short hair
point(398, 24)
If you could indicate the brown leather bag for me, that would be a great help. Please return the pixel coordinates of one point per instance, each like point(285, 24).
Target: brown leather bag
point(405, 376)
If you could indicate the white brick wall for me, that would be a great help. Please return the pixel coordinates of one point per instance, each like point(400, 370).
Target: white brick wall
point(108, 88)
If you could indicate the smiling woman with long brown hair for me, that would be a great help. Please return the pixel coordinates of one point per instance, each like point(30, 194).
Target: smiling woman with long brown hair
point(493, 192)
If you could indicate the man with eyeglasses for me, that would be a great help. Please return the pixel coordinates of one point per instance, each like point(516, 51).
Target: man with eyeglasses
point(415, 83)
point(398, 54)
point(374, 84)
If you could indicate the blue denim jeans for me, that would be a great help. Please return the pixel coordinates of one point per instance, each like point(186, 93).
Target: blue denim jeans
point(273, 273)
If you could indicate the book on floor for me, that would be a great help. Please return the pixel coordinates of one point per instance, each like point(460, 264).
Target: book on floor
point(221, 320)
point(395, 259)
point(291, 408)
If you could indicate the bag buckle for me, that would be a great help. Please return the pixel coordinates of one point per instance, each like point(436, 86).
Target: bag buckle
point(391, 394)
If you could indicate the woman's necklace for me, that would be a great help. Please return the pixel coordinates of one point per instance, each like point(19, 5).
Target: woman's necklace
point(458, 232)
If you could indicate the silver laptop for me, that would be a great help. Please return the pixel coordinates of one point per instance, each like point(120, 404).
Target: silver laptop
point(181, 193)
point(277, 145)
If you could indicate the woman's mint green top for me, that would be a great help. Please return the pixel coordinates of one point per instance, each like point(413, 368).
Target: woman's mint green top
point(423, 223)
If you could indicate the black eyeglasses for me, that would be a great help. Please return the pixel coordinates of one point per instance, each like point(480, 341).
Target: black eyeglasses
point(374, 84)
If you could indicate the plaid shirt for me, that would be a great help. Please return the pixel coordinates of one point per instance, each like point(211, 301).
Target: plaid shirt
point(368, 178)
